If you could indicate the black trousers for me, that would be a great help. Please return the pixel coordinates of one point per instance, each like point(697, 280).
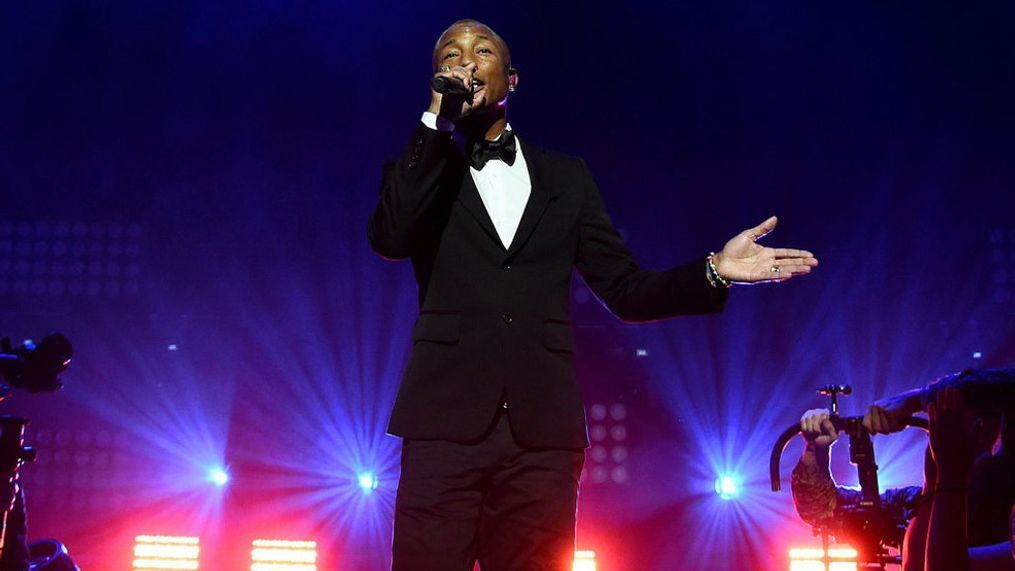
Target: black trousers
point(489, 501)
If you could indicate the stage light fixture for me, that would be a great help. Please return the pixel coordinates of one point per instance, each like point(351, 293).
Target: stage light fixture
point(368, 482)
point(283, 555)
point(158, 552)
point(728, 486)
point(218, 476)
point(584, 561)
point(813, 559)
point(605, 464)
point(69, 259)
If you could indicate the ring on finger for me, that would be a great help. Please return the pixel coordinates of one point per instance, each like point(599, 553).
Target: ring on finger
point(776, 269)
point(446, 68)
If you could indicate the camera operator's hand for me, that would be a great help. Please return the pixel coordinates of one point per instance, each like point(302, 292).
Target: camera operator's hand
point(893, 411)
point(880, 420)
point(817, 429)
point(950, 440)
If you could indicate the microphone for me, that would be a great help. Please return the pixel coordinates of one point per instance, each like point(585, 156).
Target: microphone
point(835, 389)
point(449, 86)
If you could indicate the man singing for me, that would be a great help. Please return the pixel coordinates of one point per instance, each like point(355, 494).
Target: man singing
point(489, 410)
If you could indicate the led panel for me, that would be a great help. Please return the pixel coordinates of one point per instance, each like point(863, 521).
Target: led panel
point(812, 559)
point(584, 561)
point(283, 555)
point(158, 552)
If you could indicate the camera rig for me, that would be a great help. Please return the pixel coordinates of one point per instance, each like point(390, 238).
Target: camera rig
point(866, 525)
point(34, 368)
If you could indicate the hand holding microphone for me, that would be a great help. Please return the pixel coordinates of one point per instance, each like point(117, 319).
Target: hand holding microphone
point(454, 80)
point(456, 84)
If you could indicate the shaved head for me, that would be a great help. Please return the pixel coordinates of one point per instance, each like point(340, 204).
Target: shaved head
point(479, 28)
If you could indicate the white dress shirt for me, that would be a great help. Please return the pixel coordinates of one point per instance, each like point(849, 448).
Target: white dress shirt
point(504, 188)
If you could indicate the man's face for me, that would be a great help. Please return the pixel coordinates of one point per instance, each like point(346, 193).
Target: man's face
point(463, 44)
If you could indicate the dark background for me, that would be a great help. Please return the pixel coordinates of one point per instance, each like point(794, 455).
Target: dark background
point(185, 193)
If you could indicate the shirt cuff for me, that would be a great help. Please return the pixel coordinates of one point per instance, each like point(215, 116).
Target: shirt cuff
point(432, 121)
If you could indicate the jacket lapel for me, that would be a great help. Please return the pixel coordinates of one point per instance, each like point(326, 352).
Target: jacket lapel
point(539, 197)
point(468, 195)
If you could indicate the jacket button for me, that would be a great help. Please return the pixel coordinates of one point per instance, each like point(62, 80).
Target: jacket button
point(412, 164)
point(507, 318)
point(507, 267)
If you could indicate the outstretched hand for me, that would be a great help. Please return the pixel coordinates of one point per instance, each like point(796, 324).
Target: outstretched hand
point(743, 260)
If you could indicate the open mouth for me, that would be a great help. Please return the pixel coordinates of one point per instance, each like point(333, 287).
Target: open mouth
point(477, 86)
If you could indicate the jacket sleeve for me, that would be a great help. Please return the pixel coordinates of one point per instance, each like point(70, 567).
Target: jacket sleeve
point(414, 194)
point(631, 293)
point(980, 388)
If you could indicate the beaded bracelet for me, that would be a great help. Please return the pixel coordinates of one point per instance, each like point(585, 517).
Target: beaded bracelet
point(713, 276)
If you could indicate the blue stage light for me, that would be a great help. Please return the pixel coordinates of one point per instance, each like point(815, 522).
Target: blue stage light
point(218, 476)
point(368, 482)
point(728, 486)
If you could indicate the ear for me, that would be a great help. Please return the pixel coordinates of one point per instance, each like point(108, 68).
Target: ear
point(512, 79)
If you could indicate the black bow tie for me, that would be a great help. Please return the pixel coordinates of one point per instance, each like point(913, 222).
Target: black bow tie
point(504, 148)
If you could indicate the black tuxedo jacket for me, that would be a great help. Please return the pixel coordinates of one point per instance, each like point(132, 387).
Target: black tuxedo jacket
point(494, 322)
